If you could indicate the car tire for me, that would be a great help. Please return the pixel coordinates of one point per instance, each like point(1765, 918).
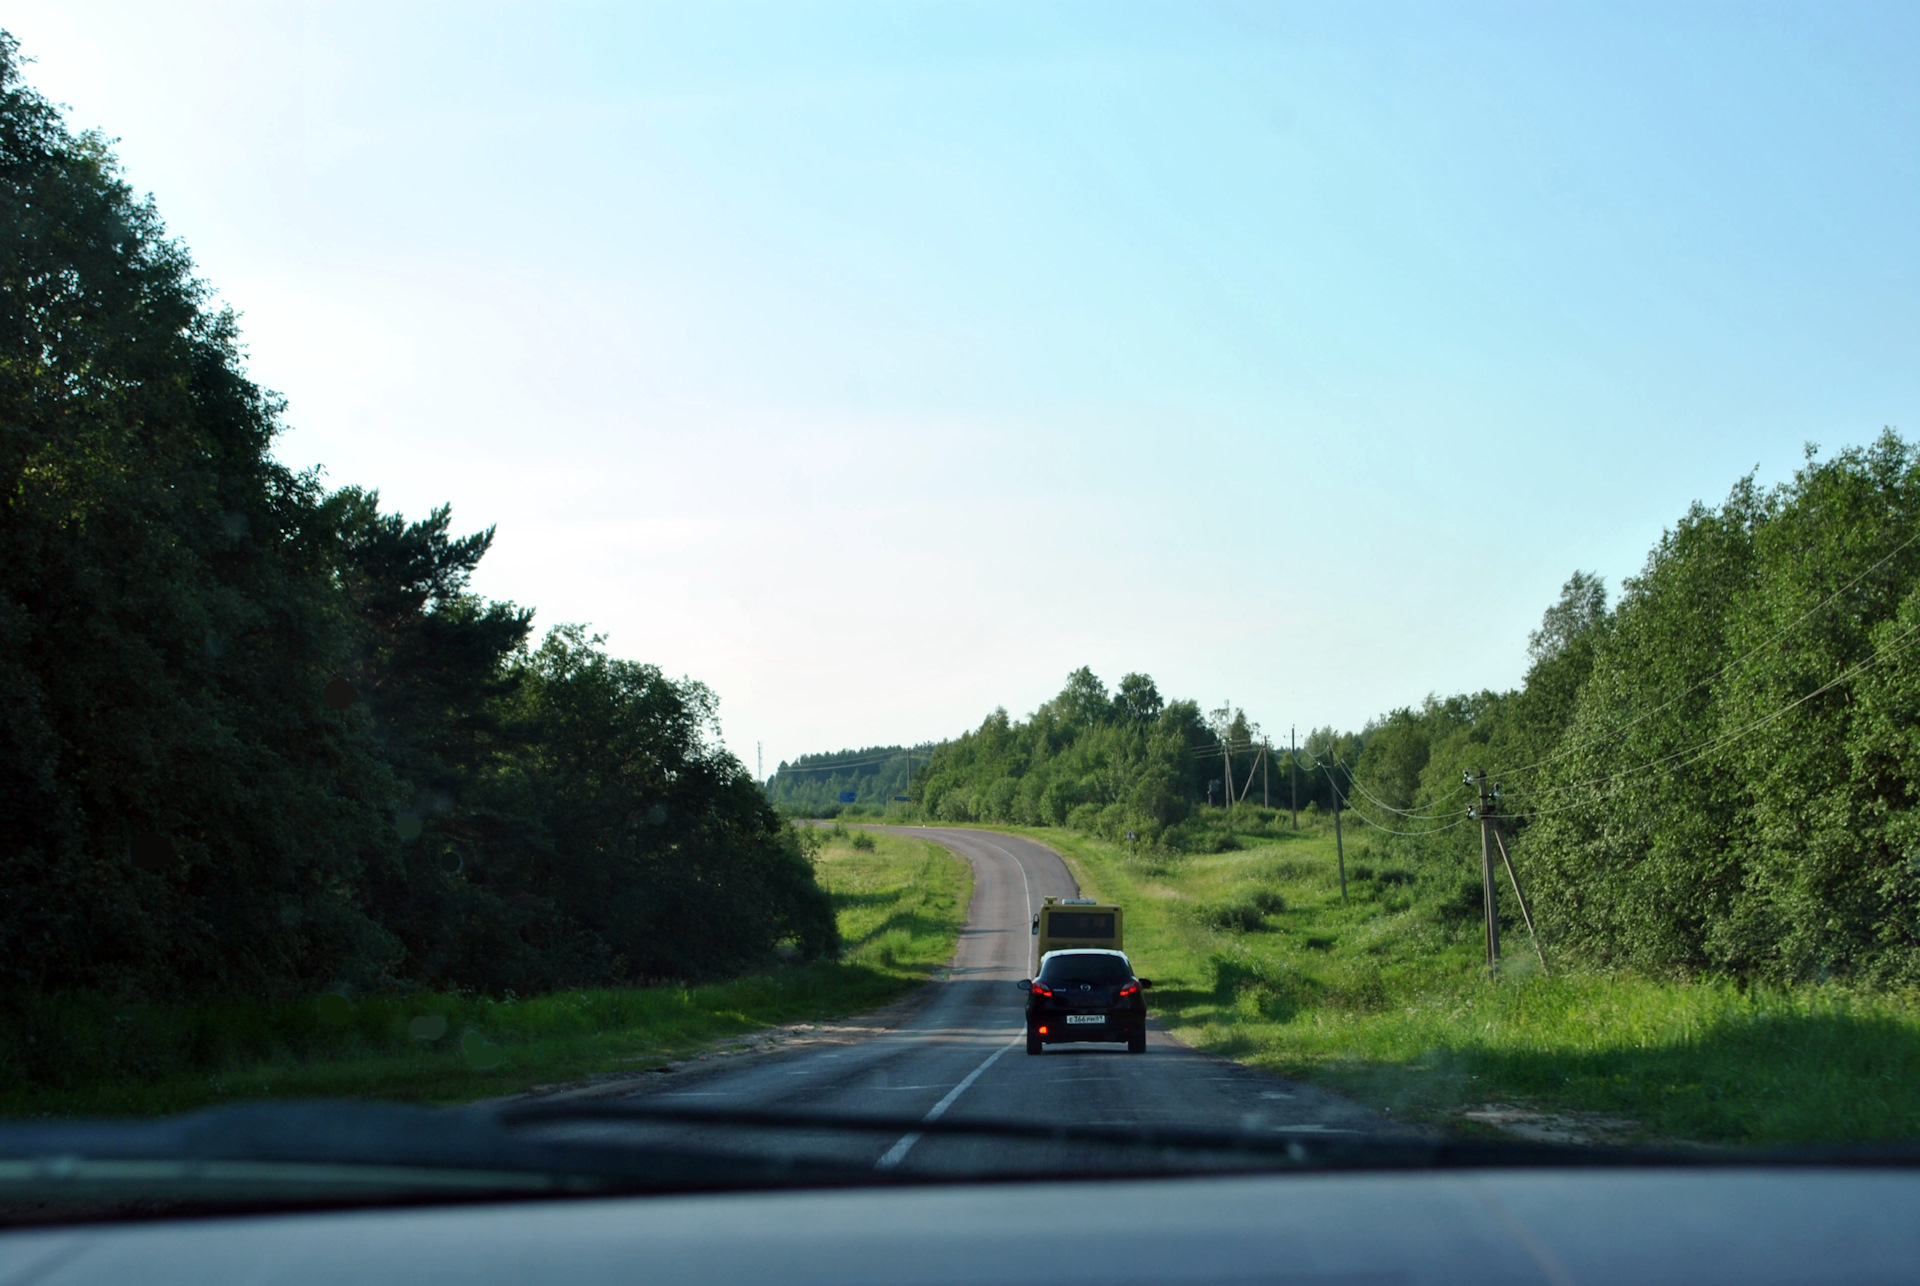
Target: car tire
point(1137, 1043)
point(1033, 1044)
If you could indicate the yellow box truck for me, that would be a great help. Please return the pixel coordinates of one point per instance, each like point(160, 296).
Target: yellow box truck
point(1076, 922)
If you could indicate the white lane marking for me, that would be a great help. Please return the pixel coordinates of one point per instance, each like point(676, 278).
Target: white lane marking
point(1026, 890)
point(1023, 872)
point(898, 1152)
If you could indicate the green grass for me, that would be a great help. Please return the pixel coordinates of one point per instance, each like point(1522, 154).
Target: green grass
point(900, 905)
point(1385, 999)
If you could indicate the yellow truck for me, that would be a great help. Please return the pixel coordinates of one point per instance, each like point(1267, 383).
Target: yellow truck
point(1063, 923)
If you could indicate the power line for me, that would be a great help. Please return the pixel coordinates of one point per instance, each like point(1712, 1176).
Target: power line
point(1678, 759)
point(846, 763)
point(1425, 810)
point(1367, 821)
point(1742, 659)
point(1699, 750)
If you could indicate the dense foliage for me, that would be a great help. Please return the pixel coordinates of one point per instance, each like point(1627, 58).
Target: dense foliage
point(876, 777)
point(1109, 763)
point(1719, 775)
point(256, 735)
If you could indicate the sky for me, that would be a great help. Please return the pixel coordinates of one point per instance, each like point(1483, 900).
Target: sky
point(879, 364)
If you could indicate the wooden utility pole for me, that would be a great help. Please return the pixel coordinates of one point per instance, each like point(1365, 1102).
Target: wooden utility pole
point(1491, 907)
point(1521, 898)
point(1339, 845)
point(1260, 762)
point(1293, 771)
point(1226, 757)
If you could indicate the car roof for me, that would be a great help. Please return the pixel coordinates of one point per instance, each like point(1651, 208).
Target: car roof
point(1085, 951)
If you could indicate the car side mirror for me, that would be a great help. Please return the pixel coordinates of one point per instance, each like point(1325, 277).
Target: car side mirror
point(1025, 984)
point(1146, 984)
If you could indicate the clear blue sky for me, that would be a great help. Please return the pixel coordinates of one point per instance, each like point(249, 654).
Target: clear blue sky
point(879, 364)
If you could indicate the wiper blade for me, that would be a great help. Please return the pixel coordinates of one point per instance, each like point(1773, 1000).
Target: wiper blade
point(1274, 1147)
point(314, 1155)
point(304, 1154)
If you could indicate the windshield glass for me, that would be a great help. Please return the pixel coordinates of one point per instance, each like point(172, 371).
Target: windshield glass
point(659, 557)
point(1074, 966)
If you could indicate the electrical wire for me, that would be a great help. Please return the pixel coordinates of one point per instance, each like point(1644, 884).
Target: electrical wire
point(851, 763)
point(1340, 797)
point(1700, 750)
point(1742, 659)
point(1425, 810)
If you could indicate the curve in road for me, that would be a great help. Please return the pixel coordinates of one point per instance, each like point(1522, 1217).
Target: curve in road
point(959, 1053)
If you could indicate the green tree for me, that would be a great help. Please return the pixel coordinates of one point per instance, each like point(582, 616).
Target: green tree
point(255, 736)
point(178, 807)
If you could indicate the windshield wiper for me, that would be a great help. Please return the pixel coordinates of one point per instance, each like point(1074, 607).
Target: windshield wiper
point(312, 1154)
point(1274, 1148)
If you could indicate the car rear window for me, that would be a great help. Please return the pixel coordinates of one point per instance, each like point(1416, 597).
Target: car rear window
point(1080, 924)
point(1088, 968)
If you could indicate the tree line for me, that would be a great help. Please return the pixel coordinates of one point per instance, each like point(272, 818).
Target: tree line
point(812, 785)
point(1126, 762)
point(259, 734)
point(1720, 773)
point(1717, 774)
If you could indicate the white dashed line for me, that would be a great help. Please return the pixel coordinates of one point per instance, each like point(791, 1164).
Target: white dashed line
point(898, 1152)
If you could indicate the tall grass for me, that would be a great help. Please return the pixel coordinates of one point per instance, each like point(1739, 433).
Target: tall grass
point(1385, 997)
point(900, 906)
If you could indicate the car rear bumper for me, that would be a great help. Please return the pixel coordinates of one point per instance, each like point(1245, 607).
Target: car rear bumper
point(1117, 1027)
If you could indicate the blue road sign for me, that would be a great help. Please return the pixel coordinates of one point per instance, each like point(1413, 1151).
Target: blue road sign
point(902, 799)
point(848, 796)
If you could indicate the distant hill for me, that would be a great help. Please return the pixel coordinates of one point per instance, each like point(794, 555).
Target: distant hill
point(811, 785)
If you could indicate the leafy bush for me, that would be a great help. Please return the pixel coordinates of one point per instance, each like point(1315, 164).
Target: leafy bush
point(1269, 901)
point(1239, 916)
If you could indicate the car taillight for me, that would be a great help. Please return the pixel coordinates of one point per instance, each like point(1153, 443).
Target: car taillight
point(1039, 990)
point(1131, 989)
point(1043, 1031)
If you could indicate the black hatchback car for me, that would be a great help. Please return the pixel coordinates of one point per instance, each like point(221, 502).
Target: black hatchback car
point(1086, 995)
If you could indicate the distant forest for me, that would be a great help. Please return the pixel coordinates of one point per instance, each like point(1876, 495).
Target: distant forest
point(812, 785)
point(1104, 762)
point(259, 735)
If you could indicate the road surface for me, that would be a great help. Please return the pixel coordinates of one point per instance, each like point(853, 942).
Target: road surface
point(960, 1053)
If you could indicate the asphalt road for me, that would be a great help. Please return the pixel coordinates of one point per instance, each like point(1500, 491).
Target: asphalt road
point(960, 1053)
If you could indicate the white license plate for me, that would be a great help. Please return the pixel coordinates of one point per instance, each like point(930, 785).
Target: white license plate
point(1086, 1018)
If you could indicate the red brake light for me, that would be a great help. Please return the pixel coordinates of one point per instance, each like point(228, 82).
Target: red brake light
point(1043, 1031)
point(1039, 990)
point(1131, 989)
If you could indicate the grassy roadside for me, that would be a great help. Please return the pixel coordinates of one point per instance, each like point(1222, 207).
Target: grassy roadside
point(901, 904)
point(1383, 998)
